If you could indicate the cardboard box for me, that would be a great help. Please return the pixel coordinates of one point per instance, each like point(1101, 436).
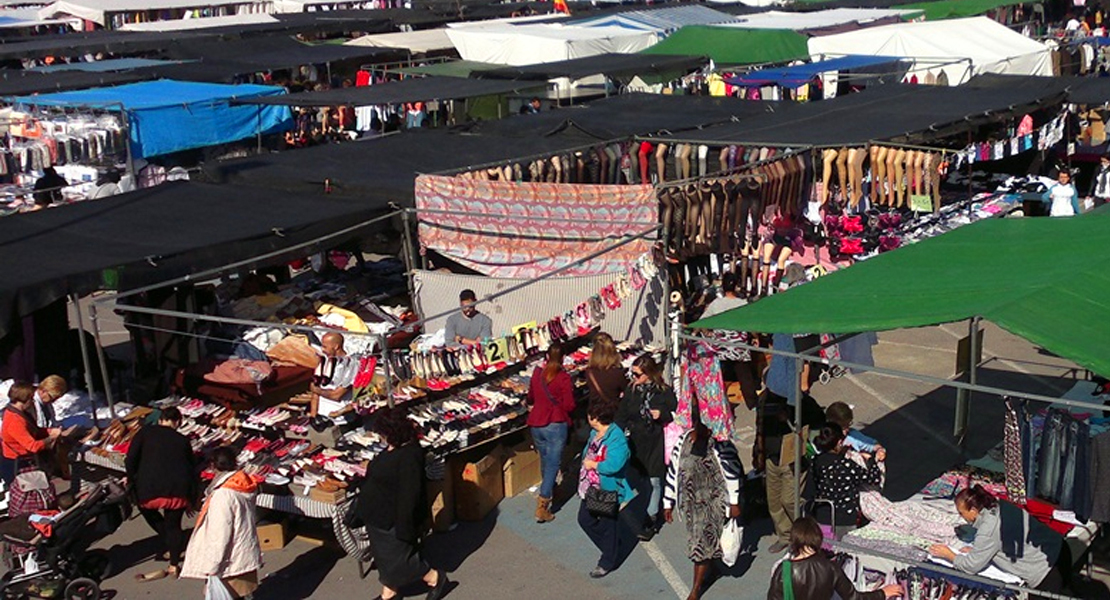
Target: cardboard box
point(522, 470)
point(315, 493)
point(271, 536)
point(441, 502)
point(480, 487)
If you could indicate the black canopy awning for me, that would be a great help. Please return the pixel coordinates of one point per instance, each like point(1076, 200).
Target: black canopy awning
point(613, 65)
point(1081, 90)
point(154, 235)
point(396, 92)
point(885, 112)
point(19, 83)
point(385, 169)
point(272, 52)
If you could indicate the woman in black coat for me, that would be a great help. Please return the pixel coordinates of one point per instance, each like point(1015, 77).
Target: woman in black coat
point(392, 505)
point(162, 469)
point(643, 413)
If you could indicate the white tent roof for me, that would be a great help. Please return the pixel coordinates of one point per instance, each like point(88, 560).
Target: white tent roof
point(428, 40)
point(991, 47)
point(665, 19)
point(200, 23)
point(96, 10)
point(516, 45)
point(774, 19)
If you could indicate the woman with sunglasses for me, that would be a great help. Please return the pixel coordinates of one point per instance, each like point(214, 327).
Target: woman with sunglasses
point(643, 414)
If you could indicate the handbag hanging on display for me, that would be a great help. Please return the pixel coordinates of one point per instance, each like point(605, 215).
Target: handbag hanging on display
point(602, 503)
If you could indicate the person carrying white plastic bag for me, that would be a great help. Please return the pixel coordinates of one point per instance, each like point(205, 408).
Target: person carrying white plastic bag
point(224, 548)
point(704, 483)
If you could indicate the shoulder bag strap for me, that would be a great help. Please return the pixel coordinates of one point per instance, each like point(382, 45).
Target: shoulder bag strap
point(787, 580)
point(596, 385)
point(546, 390)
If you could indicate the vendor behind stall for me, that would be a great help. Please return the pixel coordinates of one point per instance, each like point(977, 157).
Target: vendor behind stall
point(1008, 538)
point(468, 327)
point(331, 384)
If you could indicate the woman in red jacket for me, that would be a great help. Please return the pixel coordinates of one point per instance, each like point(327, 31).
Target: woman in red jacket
point(551, 395)
point(21, 439)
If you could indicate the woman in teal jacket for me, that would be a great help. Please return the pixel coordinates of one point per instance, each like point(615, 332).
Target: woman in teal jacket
point(603, 466)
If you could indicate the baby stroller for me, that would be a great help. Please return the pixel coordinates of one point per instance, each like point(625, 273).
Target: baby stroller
point(51, 558)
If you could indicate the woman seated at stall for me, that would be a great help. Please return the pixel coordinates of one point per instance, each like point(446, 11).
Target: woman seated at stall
point(838, 480)
point(1008, 538)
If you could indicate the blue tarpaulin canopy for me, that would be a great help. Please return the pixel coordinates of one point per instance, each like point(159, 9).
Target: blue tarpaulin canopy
point(170, 116)
point(800, 75)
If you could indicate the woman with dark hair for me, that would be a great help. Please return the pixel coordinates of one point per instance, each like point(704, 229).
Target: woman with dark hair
point(603, 467)
point(643, 413)
point(225, 543)
point(703, 482)
point(838, 480)
point(551, 395)
point(392, 505)
point(809, 575)
point(161, 468)
point(1006, 537)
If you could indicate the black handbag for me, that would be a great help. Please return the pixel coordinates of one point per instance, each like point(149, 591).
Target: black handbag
point(602, 503)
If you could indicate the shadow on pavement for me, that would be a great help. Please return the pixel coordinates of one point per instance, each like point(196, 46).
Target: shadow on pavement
point(449, 550)
point(302, 577)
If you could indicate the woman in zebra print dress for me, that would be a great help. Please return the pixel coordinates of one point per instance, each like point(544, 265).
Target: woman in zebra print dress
point(703, 481)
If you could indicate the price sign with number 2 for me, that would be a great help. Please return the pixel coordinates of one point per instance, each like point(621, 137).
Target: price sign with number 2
point(497, 350)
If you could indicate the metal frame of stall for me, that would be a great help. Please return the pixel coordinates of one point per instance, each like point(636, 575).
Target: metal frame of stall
point(963, 409)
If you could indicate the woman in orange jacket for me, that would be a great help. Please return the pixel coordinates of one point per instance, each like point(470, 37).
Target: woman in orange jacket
point(21, 440)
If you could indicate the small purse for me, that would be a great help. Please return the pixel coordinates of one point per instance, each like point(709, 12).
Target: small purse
point(602, 503)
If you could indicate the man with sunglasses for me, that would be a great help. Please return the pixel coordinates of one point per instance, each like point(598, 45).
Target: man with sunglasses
point(468, 327)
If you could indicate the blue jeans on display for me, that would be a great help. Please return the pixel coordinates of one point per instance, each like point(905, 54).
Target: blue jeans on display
point(550, 441)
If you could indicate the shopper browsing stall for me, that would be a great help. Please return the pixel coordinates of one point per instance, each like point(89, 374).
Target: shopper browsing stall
point(161, 468)
point(331, 384)
point(551, 396)
point(643, 413)
point(837, 481)
point(605, 377)
point(21, 439)
point(1008, 538)
point(1100, 184)
point(469, 326)
point(391, 504)
point(602, 485)
point(224, 544)
point(703, 483)
point(807, 574)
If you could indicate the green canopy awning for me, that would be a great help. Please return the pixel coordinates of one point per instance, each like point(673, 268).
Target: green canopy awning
point(1044, 279)
point(956, 9)
point(734, 46)
point(452, 68)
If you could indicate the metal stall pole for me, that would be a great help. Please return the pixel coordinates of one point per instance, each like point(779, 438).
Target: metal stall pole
point(384, 342)
point(410, 261)
point(103, 361)
point(963, 396)
point(799, 442)
point(668, 369)
point(84, 347)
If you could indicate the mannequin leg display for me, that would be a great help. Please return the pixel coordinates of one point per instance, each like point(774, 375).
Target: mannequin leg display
point(687, 157)
point(827, 160)
point(724, 197)
point(661, 163)
point(603, 166)
point(899, 176)
point(842, 173)
point(919, 173)
point(693, 219)
point(705, 231)
point(556, 172)
point(678, 221)
point(723, 158)
point(764, 153)
point(891, 176)
point(613, 157)
point(568, 166)
point(677, 158)
point(856, 157)
point(876, 178)
point(703, 160)
point(645, 171)
point(666, 213)
point(935, 177)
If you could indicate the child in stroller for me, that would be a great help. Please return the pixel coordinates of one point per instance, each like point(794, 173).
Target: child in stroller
point(49, 553)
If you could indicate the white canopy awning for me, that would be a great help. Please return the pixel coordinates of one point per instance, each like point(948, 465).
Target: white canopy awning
point(97, 10)
point(774, 19)
point(200, 23)
point(417, 42)
point(517, 45)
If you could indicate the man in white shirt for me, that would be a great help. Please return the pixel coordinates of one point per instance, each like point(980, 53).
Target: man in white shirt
point(331, 384)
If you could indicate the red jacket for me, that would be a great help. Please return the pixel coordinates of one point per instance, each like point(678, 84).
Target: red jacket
point(555, 408)
point(19, 436)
